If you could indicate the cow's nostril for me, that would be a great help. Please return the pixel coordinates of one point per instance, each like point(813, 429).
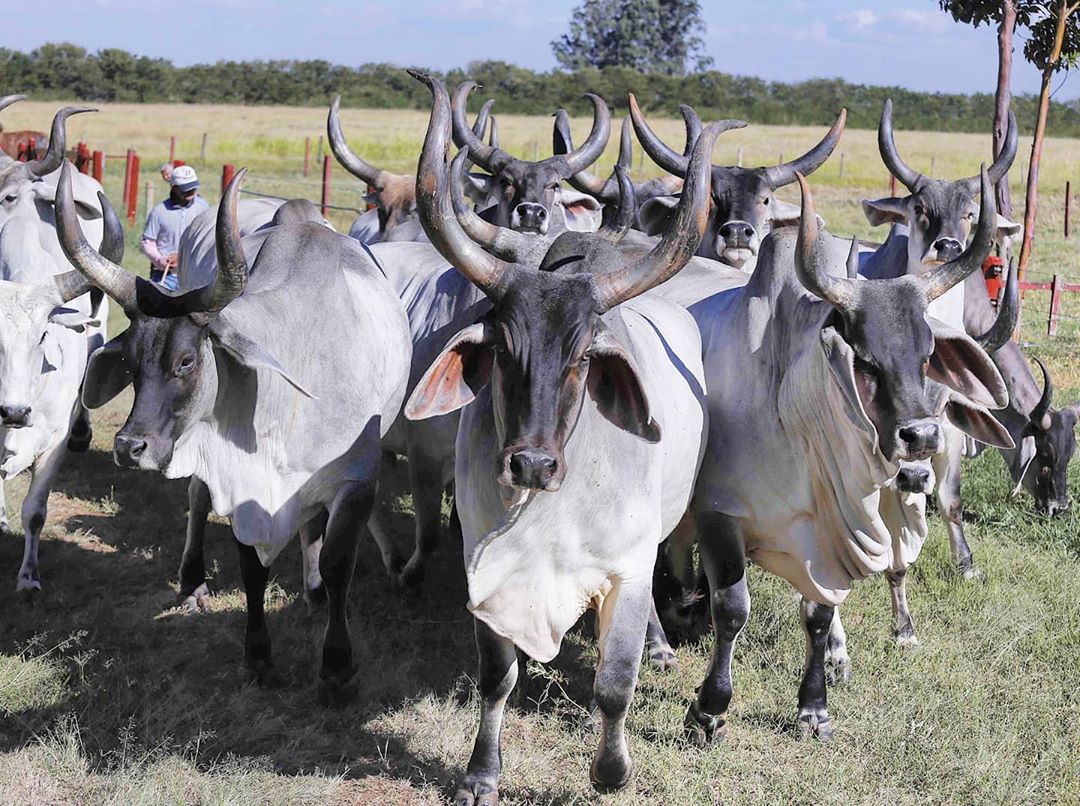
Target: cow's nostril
point(14, 415)
point(748, 232)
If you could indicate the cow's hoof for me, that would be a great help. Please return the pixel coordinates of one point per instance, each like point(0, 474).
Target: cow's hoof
point(700, 729)
point(838, 669)
point(662, 658)
point(79, 442)
point(393, 564)
point(974, 574)
point(315, 598)
point(814, 725)
point(28, 591)
point(259, 673)
point(611, 771)
point(335, 687)
point(906, 639)
point(196, 602)
point(477, 793)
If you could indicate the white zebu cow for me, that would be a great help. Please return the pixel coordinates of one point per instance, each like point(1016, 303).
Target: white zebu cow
point(581, 430)
point(43, 352)
point(821, 387)
point(214, 401)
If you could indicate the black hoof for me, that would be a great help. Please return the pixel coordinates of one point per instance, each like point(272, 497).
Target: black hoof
point(611, 774)
point(260, 673)
point(662, 658)
point(412, 575)
point(477, 794)
point(814, 726)
point(80, 442)
point(195, 602)
point(29, 594)
point(334, 691)
point(700, 729)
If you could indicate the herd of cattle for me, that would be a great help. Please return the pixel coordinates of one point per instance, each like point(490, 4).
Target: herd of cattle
point(607, 372)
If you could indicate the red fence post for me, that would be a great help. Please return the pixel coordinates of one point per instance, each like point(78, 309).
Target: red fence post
point(1055, 306)
point(307, 156)
point(892, 185)
point(227, 173)
point(82, 153)
point(133, 190)
point(325, 184)
point(126, 193)
point(99, 165)
point(172, 148)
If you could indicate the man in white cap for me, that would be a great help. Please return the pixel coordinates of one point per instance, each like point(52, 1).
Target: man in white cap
point(167, 222)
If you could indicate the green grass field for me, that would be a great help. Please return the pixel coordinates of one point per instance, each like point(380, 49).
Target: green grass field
point(108, 695)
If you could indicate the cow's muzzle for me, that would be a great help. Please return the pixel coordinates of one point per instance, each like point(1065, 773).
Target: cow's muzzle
point(17, 416)
point(531, 468)
point(736, 243)
point(945, 249)
point(915, 478)
point(128, 450)
point(917, 439)
point(530, 217)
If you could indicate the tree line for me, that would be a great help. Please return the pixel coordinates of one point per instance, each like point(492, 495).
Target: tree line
point(65, 71)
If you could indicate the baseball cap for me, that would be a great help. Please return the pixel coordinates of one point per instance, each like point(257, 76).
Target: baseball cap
point(184, 178)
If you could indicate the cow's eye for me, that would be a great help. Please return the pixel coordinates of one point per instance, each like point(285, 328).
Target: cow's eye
point(765, 201)
point(10, 198)
point(971, 216)
point(184, 365)
point(920, 211)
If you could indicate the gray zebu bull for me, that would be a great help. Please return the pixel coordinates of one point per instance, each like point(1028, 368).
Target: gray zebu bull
point(564, 485)
point(529, 196)
point(744, 207)
point(931, 224)
point(821, 387)
point(28, 189)
point(43, 352)
point(212, 400)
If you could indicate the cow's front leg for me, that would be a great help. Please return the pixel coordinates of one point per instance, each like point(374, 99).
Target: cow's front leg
point(947, 469)
point(193, 591)
point(498, 676)
point(724, 558)
point(351, 509)
point(903, 626)
point(258, 665)
point(5, 524)
point(661, 655)
point(622, 633)
point(35, 508)
point(311, 541)
point(813, 712)
point(82, 433)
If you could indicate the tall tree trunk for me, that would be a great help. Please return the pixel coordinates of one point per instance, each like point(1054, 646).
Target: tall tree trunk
point(1003, 97)
point(1031, 201)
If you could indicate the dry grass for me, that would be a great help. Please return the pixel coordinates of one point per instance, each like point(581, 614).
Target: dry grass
point(107, 695)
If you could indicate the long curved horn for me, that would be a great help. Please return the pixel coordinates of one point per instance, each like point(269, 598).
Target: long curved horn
point(889, 155)
point(232, 273)
point(811, 259)
point(57, 142)
point(8, 100)
point(658, 151)
point(784, 174)
point(105, 274)
point(1005, 322)
point(589, 152)
point(1004, 160)
point(72, 284)
point(937, 281)
point(680, 240)
point(490, 158)
point(433, 202)
point(692, 121)
point(480, 124)
point(1040, 415)
point(505, 243)
point(364, 171)
point(606, 191)
point(626, 211)
point(493, 133)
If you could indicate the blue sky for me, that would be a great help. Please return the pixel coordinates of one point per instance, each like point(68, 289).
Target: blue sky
point(906, 42)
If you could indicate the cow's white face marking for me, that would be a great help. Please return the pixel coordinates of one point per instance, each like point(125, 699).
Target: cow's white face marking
point(24, 317)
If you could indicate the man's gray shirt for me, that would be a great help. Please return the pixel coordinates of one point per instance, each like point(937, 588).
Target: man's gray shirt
point(167, 222)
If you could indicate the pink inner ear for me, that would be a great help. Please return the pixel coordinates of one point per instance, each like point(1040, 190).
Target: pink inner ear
point(980, 424)
point(964, 368)
point(616, 388)
point(452, 382)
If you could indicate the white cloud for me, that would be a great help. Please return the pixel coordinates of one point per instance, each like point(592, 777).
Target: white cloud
point(862, 18)
point(920, 20)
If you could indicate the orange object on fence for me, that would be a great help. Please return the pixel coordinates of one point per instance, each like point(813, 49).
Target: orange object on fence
point(133, 189)
point(129, 158)
point(227, 173)
point(99, 165)
point(992, 269)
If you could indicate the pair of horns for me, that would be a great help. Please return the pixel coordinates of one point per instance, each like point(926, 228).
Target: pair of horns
point(493, 159)
point(812, 259)
point(777, 175)
point(138, 295)
point(494, 275)
point(54, 156)
point(912, 178)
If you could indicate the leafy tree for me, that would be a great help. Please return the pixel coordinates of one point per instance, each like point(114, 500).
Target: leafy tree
point(650, 36)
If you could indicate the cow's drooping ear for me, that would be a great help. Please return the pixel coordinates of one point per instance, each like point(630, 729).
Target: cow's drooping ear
point(477, 187)
point(107, 374)
point(978, 423)
point(87, 205)
point(784, 214)
point(454, 378)
point(1005, 230)
point(889, 210)
point(841, 360)
point(73, 319)
point(656, 214)
point(583, 212)
point(615, 385)
point(249, 354)
point(960, 363)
